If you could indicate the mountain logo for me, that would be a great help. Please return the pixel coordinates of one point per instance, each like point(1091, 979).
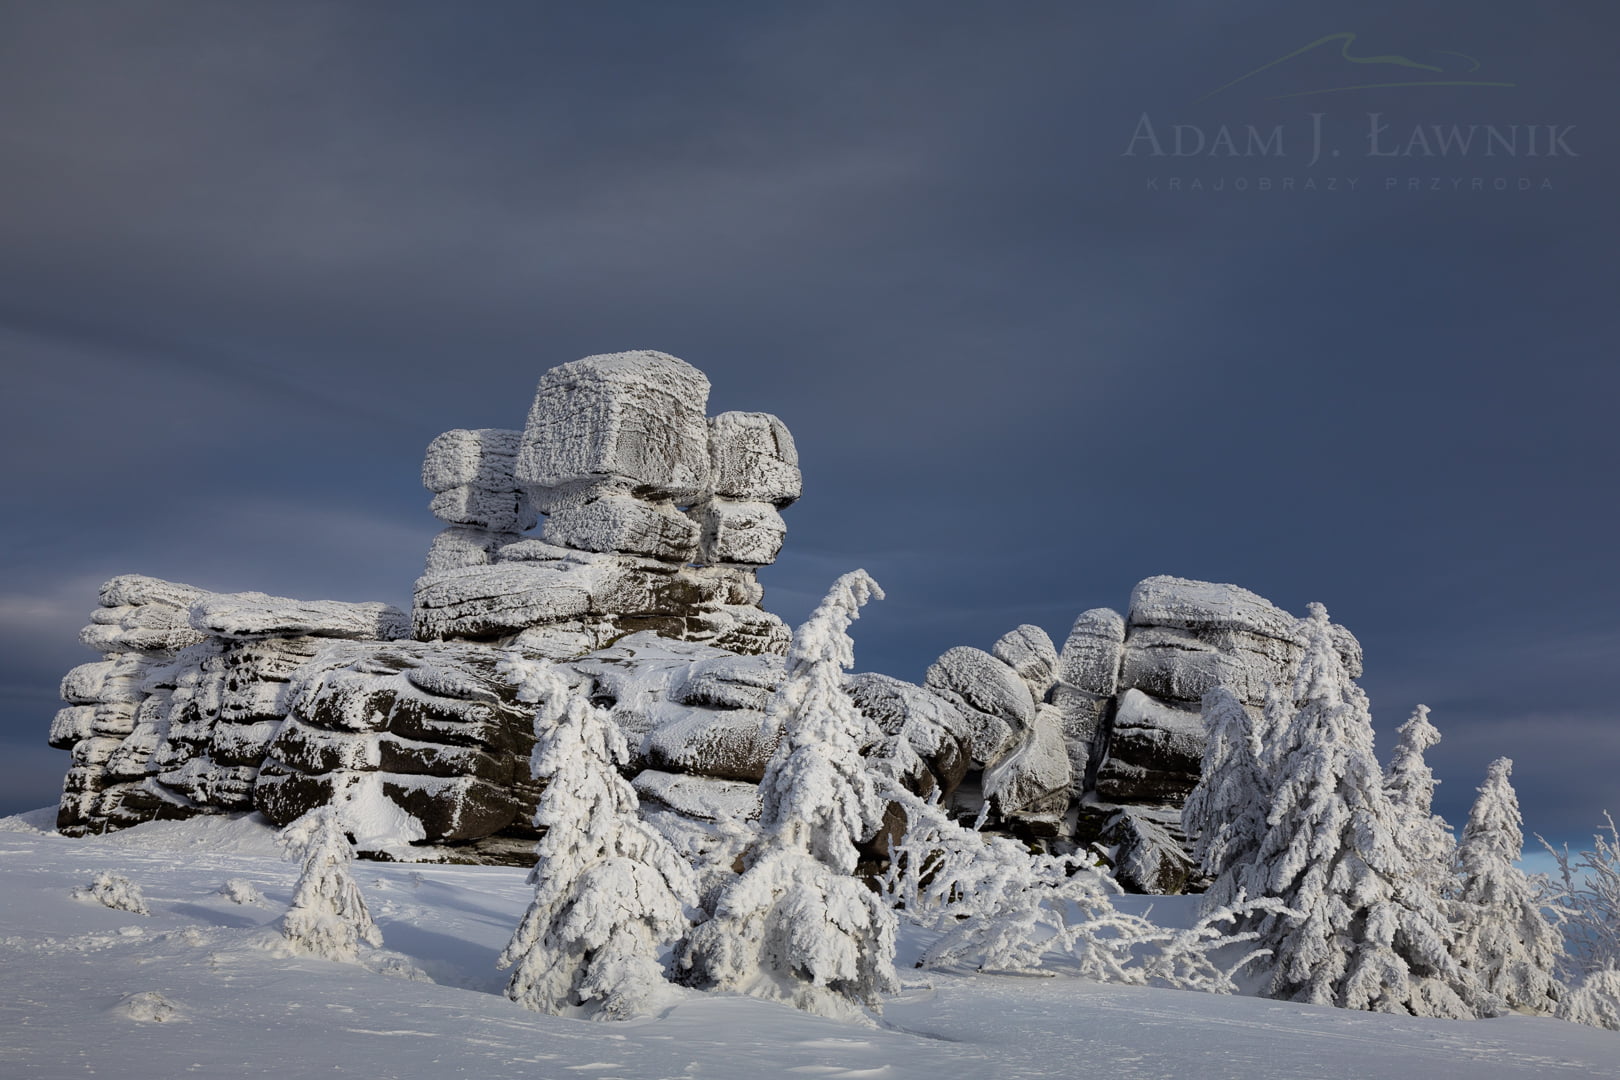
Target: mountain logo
point(1452, 72)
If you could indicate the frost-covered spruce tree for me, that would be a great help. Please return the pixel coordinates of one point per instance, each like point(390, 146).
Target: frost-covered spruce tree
point(999, 907)
point(1410, 785)
point(328, 917)
point(797, 925)
point(1226, 812)
point(610, 891)
point(1503, 938)
point(1587, 893)
point(1368, 935)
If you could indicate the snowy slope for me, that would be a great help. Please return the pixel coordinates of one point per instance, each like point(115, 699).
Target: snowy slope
point(72, 976)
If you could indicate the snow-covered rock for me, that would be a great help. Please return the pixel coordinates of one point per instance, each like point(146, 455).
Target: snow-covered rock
point(1154, 752)
point(706, 798)
point(465, 545)
point(739, 533)
point(1031, 786)
point(612, 521)
point(632, 419)
point(997, 700)
point(460, 458)
point(1149, 852)
point(1092, 652)
point(753, 458)
point(253, 614)
point(724, 743)
point(1029, 651)
point(1207, 605)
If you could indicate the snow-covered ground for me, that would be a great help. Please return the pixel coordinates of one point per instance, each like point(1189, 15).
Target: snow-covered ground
point(201, 987)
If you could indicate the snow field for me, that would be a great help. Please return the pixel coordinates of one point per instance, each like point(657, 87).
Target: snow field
point(203, 987)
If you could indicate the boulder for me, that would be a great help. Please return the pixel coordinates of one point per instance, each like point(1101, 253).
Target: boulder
point(462, 545)
point(138, 590)
point(147, 628)
point(613, 522)
point(730, 682)
point(483, 602)
point(753, 459)
point(728, 744)
point(739, 533)
point(1205, 605)
point(253, 614)
point(935, 730)
point(1092, 652)
point(1155, 752)
point(1083, 718)
point(1029, 651)
point(998, 701)
point(634, 419)
point(1148, 856)
point(494, 509)
point(483, 457)
point(1031, 786)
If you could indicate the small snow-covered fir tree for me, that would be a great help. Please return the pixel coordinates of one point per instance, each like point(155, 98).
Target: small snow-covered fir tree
point(1226, 813)
point(610, 891)
point(1369, 935)
point(1410, 785)
point(1595, 1000)
point(1503, 938)
point(797, 925)
point(328, 917)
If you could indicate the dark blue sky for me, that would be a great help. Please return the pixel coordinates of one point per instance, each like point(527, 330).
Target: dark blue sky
point(253, 257)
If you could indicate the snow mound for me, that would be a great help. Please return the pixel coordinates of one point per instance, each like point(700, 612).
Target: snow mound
point(149, 1007)
point(116, 891)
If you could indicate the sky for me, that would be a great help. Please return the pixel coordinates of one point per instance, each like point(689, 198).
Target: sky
point(1312, 298)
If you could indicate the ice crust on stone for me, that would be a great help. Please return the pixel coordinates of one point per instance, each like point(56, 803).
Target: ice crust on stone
point(613, 521)
point(1029, 651)
point(635, 418)
point(253, 614)
point(1092, 652)
point(739, 533)
point(1206, 605)
point(462, 457)
point(753, 459)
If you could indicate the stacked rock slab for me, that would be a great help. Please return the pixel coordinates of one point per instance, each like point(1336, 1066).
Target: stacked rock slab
point(656, 516)
point(642, 582)
point(178, 717)
point(116, 712)
point(416, 741)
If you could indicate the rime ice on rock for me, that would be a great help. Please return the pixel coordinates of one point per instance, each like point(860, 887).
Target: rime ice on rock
point(630, 421)
point(1029, 651)
point(470, 475)
point(753, 459)
point(636, 484)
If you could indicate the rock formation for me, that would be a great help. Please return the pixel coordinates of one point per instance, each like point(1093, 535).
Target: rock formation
point(618, 533)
